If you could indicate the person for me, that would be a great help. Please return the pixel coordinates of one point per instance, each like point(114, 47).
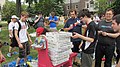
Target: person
point(39, 22)
point(89, 39)
point(22, 37)
point(116, 28)
point(2, 58)
point(40, 41)
point(71, 26)
point(11, 35)
point(53, 20)
point(106, 44)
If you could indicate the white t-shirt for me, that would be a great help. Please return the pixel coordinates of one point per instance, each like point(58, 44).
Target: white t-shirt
point(23, 31)
point(10, 27)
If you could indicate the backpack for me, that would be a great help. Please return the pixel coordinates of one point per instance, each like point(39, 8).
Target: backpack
point(13, 40)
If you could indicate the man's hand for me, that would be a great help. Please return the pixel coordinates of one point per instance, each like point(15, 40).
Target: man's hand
point(104, 33)
point(70, 27)
point(76, 35)
point(20, 46)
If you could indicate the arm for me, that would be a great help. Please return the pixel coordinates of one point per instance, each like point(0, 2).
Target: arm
point(11, 33)
point(83, 37)
point(29, 38)
point(36, 20)
point(17, 38)
point(113, 35)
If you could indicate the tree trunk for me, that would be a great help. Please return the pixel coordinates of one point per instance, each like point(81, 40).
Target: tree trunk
point(18, 7)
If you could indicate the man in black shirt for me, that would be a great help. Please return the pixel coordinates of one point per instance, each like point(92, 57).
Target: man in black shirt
point(106, 44)
point(116, 28)
point(89, 39)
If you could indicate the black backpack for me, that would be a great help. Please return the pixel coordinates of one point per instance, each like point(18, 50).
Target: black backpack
point(14, 41)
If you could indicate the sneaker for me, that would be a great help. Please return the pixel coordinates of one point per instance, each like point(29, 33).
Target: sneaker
point(15, 53)
point(17, 66)
point(9, 54)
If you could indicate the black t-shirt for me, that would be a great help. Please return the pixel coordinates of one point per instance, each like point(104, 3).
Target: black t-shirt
point(118, 43)
point(91, 32)
point(106, 27)
point(76, 28)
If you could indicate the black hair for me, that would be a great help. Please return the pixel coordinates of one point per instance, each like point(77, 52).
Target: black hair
point(84, 13)
point(110, 9)
point(44, 31)
point(117, 18)
point(73, 10)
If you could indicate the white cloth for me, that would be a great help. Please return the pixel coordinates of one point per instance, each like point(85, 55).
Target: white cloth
point(11, 25)
point(23, 31)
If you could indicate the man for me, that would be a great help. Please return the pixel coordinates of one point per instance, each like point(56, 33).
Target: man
point(39, 22)
point(53, 21)
point(70, 26)
point(116, 28)
point(106, 44)
point(11, 27)
point(89, 39)
point(22, 38)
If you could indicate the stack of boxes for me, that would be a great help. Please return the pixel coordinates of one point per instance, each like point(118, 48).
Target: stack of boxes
point(59, 46)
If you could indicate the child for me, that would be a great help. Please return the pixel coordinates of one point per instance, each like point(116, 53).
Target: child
point(40, 41)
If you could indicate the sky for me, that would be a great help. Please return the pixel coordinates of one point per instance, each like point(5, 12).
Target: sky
point(15, 0)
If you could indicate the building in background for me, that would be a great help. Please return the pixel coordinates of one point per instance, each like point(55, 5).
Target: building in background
point(79, 5)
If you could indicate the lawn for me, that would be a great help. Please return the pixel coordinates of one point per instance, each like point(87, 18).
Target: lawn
point(5, 38)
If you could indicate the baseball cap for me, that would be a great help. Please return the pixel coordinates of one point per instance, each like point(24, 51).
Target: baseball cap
point(14, 16)
point(39, 31)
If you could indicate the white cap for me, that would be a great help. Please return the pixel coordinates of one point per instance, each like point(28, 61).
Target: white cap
point(14, 16)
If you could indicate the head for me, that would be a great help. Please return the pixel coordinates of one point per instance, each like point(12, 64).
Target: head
point(14, 18)
point(116, 23)
point(73, 13)
point(40, 14)
point(52, 14)
point(41, 31)
point(84, 16)
point(109, 14)
point(24, 16)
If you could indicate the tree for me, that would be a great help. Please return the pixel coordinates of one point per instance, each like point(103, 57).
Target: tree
point(48, 6)
point(31, 2)
point(102, 5)
point(116, 6)
point(18, 7)
point(8, 10)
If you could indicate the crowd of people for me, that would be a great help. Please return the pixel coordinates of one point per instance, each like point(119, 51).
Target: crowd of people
point(89, 35)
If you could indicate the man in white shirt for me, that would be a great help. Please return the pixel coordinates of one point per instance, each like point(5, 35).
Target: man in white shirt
point(22, 37)
point(11, 35)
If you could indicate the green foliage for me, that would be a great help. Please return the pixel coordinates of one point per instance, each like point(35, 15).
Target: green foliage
point(8, 9)
point(116, 6)
point(102, 5)
point(48, 6)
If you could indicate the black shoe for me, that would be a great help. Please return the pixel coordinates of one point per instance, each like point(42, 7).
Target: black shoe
point(18, 66)
point(77, 64)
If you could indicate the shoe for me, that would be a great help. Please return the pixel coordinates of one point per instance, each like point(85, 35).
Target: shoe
point(9, 54)
point(77, 64)
point(15, 53)
point(17, 66)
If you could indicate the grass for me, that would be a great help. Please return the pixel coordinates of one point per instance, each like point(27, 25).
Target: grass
point(5, 38)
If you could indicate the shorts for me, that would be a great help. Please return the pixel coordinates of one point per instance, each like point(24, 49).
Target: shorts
point(23, 52)
point(76, 46)
point(13, 42)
